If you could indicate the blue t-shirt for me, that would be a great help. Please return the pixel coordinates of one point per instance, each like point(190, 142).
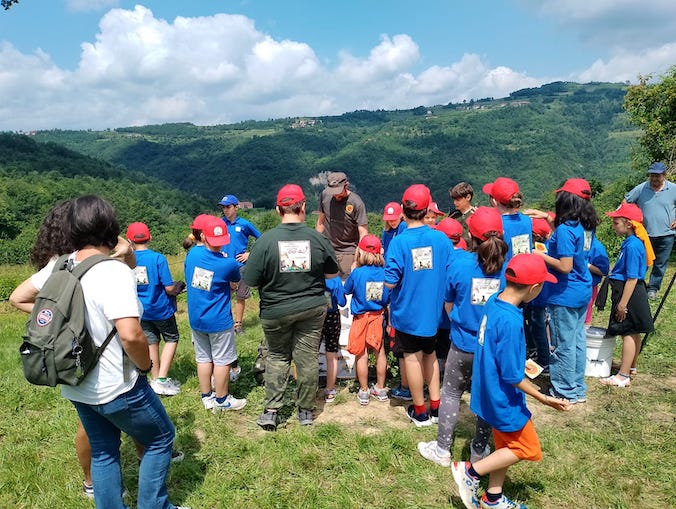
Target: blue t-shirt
point(631, 262)
point(469, 289)
point(336, 292)
point(659, 208)
point(499, 363)
point(367, 286)
point(152, 275)
point(572, 290)
point(388, 235)
point(417, 264)
point(518, 234)
point(239, 230)
point(208, 276)
point(598, 257)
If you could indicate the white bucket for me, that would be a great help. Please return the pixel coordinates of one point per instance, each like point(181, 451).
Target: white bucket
point(599, 352)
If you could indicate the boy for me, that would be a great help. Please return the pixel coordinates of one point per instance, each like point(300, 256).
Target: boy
point(499, 384)
point(415, 269)
point(156, 291)
point(462, 195)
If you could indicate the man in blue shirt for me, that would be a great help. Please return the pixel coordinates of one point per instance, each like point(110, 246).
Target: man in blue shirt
point(657, 199)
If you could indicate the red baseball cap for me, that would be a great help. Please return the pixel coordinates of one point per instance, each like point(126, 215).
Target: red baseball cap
point(392, 211)
point(461, 244)
point(450, 227)
point(138, 232)
point(541, 227)
point(417, 197)
point(628, 211)
point(370, 244)
point(528, 269)
point(215, 231)
point(289, 195)
point(484, 220)
point(199, 221)
point(578, 187)
point(502, 189)
point(435, 208)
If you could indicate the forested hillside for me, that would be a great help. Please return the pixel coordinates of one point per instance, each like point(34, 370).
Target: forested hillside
point(537, 136)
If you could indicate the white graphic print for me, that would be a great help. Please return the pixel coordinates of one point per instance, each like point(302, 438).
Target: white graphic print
point(422, 258)
point(202, 278)
point(141, 273)
point(374, 290)
point(482, 289)
point(520, 244)
point(294, 256)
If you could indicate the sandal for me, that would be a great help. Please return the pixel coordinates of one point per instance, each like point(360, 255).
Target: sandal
point(619, 380)
point(632, 372)
point(329, 395)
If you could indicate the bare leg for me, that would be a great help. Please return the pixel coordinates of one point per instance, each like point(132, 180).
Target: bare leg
point(154, 350)
point(239, 310)
point(84, 452)
point(204, 372)
point(402, 373)
point(381, 367)
point(362, 361)
point(414, 371)
point(168, 353)
point(221, 379)
point(431, 373)
point(496, 465)
point(631, 345)
point(331, 370)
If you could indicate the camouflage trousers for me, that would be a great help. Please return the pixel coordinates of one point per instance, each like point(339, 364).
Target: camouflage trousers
point(293, 337)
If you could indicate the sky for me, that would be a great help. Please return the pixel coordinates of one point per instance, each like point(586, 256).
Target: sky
point(98, 64)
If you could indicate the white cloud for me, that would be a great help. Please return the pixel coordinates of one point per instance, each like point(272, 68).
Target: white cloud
point(91, 5)
point(625, 66)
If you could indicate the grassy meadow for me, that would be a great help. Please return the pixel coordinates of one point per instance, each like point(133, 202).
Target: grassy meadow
point(615, 452)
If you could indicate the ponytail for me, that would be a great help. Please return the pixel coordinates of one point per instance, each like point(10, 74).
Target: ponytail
point(491, 253)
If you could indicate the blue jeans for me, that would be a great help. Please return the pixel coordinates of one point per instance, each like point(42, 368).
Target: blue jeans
point(662, 247)
point(141, 415)
point(569, 356)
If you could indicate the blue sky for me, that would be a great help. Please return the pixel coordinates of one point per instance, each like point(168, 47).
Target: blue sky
point(78, 64)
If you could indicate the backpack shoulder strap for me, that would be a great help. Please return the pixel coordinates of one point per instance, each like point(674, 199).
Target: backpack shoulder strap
point(81, 268)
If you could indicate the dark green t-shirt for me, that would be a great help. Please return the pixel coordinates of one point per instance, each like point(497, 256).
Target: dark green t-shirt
point(287, 264)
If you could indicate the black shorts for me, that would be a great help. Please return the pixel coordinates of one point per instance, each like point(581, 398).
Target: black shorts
point(410, 343)
point(443, 345)
point(331, 331)
point(167, 329)
point(639, 318)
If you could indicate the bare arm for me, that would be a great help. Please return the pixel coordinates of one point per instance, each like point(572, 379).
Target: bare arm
point(363, 230)
point(448, 306)
point(595, 270)
point(134, 341)
point(532, 390)
point(123, 251)
point(23, 297)
point(320, 222)
point(563, 265)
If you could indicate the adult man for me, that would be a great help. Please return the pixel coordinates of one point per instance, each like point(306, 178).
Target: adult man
point(657, 200)
point(342, 218)
point(462, 195)
point(288, 265)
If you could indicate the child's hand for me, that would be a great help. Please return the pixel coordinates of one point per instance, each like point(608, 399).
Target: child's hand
point(562, 405)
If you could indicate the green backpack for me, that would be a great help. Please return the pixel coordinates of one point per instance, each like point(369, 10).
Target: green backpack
point(57, 347)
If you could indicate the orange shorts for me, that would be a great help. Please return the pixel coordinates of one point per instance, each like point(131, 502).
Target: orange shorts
point(524, 443)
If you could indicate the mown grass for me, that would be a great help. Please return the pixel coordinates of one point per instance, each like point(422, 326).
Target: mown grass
point(617, 451)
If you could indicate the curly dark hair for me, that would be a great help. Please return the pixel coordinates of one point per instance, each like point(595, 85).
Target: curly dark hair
point(52, 239)
point(570, 207)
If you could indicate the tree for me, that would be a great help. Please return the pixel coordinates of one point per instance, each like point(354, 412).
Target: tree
point(652, 106)
point(6, 4)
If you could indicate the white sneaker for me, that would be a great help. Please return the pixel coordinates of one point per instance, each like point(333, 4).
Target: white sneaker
point(209, 401)
point(230, 403)
point(430, 451)
point(234, 373)
point(475, 456)
point(467, 485)
point(166, 388)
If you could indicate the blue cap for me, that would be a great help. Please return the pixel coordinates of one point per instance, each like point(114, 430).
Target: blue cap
point(229, 199)
point(657, 168)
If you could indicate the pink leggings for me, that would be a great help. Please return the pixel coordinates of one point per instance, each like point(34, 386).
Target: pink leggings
point(590, 306)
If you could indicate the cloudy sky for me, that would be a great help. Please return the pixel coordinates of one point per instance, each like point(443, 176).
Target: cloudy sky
point(80, 64)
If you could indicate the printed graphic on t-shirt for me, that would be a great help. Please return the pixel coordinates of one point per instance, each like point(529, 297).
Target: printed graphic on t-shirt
point(482, 331)
point(374, 290)
point(422, 258)
point(202, 278)
point(482, 289)
point(294, 255)
point(520, 244)
point(588, 236)
point(238, 229)
point(141, 273)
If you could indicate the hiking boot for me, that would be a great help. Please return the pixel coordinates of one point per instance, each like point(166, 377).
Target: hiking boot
point(402, 393)
point(209, 401)
point(419, 420)
point(267, 420)
point(430, 451)
point(235, 372)
point(305, 417)
point(363, 396)
point(475, 455)
point(503, 503)
point(467, 485)
point(379, 394)
point(168, 387)
point(230, 403)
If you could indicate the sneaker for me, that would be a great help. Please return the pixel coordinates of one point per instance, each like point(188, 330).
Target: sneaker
point(475, 455)
point(88, 490)
point(430, 451)
point(165, 388)
point(503, 503)
point(305, 417)
point(330, 395)
point(402, 393)
point(419, 420)
point(234, 373)
point(363, 397)
point(379, 394)
point(230, 403)
point(239, 329)
point(177, 456)
point(209, 401)
point(652, 294)
point(434, 416)
point(267, 420)
point(467, 485)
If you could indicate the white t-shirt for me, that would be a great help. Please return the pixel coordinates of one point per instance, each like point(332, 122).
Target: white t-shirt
point(109, 289)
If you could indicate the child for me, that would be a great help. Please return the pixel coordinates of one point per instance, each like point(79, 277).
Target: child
point(157, 292)
point(518, 228)
point(369, 297)
point(416, 268)
point(499, 384)
point(630, 314)
point(433, 214)
point(331, 334)
point(462, 194)
point(599, 264)
point(209, 275)
point(473, 278)
point(453, 230)
point(394, 224)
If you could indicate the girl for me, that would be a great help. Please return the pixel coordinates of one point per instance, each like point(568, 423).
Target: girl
point(507, 198)
point(473, 278)
point(369, 298)
point(567, 299)
point(630, 314)
point(331, 334)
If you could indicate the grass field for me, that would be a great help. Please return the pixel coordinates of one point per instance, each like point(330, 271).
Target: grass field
point(616, 451)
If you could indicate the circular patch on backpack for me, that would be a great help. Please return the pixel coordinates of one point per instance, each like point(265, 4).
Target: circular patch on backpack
point(44, 317)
